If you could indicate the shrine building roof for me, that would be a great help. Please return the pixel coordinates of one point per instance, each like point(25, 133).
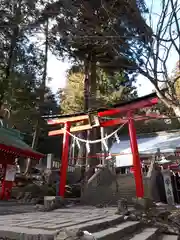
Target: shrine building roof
point(11, 141)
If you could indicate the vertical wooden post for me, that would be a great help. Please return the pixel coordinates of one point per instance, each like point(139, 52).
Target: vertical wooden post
point(64, 159)
point(136, 159)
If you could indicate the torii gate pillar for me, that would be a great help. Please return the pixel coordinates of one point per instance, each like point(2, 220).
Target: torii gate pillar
point(64, 159)
point(136, 158)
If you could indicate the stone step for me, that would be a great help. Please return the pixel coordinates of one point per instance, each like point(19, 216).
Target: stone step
point(118, 231)
point(124, 186)
point(127, 193)
point(127, 188)
point(97, 225)
point(146, 234)
point(170, 237)
point(20, 233)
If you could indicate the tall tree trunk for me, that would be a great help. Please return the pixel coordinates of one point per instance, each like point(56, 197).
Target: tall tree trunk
point(94, 133)
point(42, 93)
point(82, 151)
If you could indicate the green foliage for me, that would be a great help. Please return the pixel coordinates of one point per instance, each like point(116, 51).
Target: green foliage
point(114, 88)
point(25, 111)
point(110, 90)
point(22, 64)
point(72, 97)
point(106, 29)
point(78, 29)
point(75, 30)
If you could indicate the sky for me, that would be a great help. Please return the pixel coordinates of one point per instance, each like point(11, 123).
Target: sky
point(57, 72)
point(57, 69)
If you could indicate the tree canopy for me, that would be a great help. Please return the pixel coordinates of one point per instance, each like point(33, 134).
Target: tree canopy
point(110, 90)
point(102, 28)
point(78, 29)
point(21, 64)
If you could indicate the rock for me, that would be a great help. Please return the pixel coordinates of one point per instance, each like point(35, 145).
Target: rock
point(163, 215)
point(143, 204)
point(52, 202)
point(75, 234)
point(132, 217)
point(34, 201)
point(39, 207)
point(19, 195)
point(33, 193)
point(49, 176)
point(27, 196)
point(126, 217)
point(99, 205)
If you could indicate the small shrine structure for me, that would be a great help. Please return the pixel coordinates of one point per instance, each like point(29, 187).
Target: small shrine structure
point(12, 146)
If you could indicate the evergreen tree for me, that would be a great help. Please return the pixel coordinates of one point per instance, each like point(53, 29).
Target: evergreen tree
point(110, 90)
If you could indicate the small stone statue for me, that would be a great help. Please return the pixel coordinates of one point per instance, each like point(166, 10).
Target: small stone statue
point(122, 206)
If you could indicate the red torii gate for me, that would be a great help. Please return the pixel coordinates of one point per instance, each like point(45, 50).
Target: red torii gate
point(127, 108)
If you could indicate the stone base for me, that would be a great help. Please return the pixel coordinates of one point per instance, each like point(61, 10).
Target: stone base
point(143, 203)
point(52, 202)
